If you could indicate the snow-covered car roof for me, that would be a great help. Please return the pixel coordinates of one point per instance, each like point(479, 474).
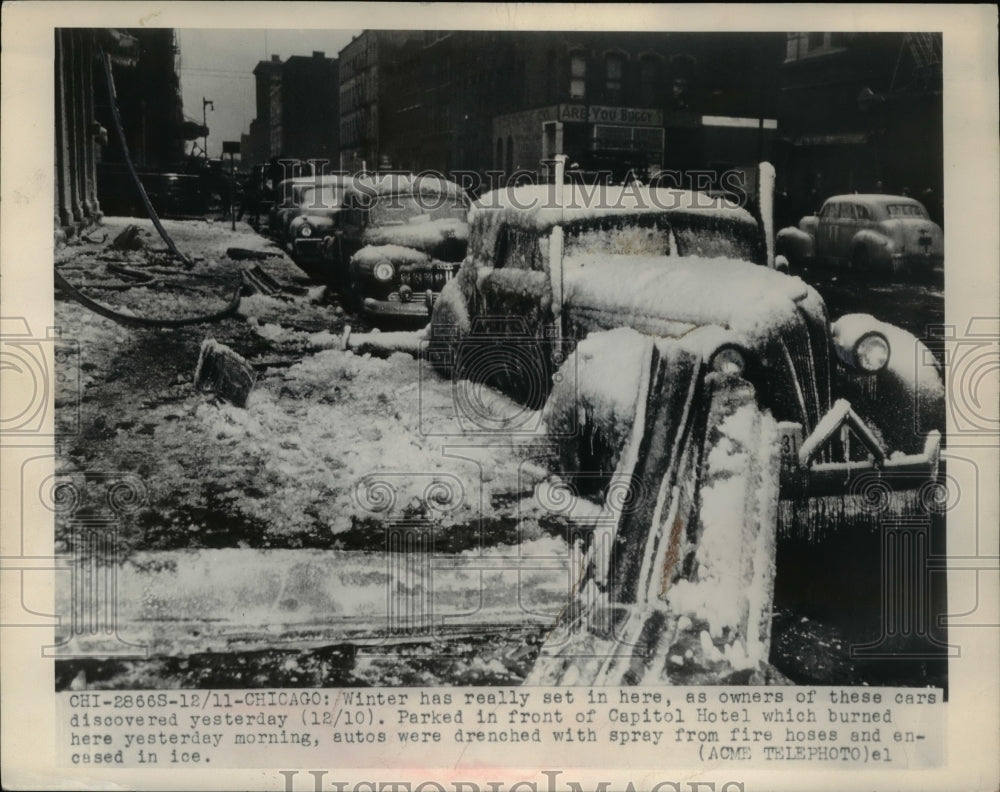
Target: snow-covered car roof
point(873, 199)
point(535, 206)
point(393, 183)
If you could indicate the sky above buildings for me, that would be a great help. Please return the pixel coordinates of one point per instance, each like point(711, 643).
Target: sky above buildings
point(218, 65)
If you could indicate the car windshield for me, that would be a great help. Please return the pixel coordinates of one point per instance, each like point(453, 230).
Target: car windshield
point(413, 208)
point(656, 236)
point(328, 196)
point(905, 210)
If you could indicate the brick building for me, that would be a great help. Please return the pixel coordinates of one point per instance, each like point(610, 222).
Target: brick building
point(297, 110)
point(363, 100)
point(861, 112)
point(506, 101)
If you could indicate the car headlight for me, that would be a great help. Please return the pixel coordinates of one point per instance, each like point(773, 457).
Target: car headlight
point(872, 352)
point(383, 271)
point(729, 360)
point(306, 230)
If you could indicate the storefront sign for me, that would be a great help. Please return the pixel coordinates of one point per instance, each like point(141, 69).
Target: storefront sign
point(634, 116)
point(602, 114)
point(568, 112)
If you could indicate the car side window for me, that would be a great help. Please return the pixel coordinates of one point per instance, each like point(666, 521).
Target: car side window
point(518, 248)
point(863, 213)
point(847, 212)
point(829, 211)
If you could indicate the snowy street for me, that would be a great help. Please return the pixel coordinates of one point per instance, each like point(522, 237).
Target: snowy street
point(360, 521)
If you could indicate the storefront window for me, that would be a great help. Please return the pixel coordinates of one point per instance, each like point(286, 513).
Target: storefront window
point(649, 82)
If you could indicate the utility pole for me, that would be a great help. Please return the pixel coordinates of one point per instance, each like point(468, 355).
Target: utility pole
point(205, 104)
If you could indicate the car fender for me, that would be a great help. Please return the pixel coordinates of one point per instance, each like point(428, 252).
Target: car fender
point(879, 246)
point(589, 412)
point(906, 399)
point(795, 244)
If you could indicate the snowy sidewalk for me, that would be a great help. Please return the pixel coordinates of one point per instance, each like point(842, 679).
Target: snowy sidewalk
point(334, 455)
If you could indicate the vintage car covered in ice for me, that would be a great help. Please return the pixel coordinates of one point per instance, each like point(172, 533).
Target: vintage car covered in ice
point(287, 195)
point(398, 239)
point(694, 393)
point(314, 217)
point(870, 234)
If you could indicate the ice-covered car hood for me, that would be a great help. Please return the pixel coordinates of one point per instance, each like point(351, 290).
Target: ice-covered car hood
point(444, 238)
point(672, 296)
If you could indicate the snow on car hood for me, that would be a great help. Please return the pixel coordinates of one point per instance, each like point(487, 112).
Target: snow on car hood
point(370, 255)
point(673, 295)
point(420, 233)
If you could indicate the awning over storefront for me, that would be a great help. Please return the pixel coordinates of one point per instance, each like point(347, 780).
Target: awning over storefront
point(838, 139)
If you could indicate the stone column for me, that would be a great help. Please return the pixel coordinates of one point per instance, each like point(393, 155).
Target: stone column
point(90, 142)
point(63, 198)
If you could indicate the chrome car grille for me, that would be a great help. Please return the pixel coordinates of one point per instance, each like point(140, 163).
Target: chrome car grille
point(797, 377)
point(425, 278)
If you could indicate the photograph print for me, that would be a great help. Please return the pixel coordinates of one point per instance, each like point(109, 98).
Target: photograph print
point(498, 358)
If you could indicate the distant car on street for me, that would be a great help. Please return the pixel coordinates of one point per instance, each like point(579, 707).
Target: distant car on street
point(287, 197)
point(869, 234)
point(313, 218)
point(395, 242)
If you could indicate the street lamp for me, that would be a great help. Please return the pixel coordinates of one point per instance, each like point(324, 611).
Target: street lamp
point(205, 104)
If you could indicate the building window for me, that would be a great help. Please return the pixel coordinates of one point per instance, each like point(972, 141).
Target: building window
point(499, 162)
point(805, 45)
point(649, 82)
point(614, 65)
point(577, 76)
point(551, 77)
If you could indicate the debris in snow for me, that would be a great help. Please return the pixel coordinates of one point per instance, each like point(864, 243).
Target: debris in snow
point(129, 239)
point(223, 372)
point(242, 254)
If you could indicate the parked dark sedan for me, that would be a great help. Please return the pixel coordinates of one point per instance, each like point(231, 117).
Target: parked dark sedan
point(398, 240)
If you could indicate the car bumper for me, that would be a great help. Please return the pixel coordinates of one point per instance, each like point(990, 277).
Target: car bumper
point(308, 249)
point(916, 262)
point(416, 308)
